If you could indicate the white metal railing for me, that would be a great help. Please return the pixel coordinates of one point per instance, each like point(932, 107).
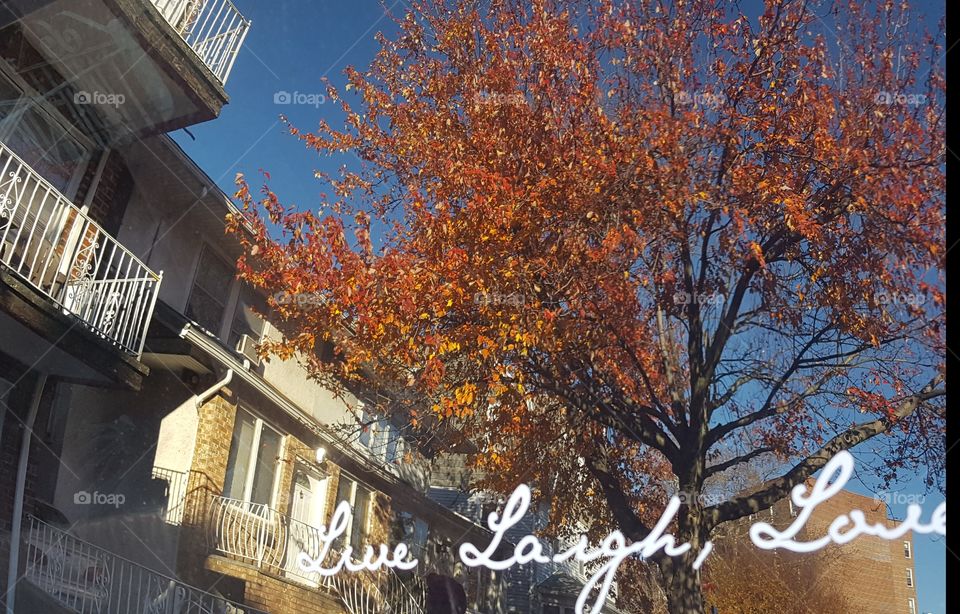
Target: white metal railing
point(261, 536)
point(58, 249)
point(214, 29)
point(87, 579)
point(176, 493)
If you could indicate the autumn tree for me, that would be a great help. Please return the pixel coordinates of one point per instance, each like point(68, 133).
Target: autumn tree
point(741, 579)
point(623, 247)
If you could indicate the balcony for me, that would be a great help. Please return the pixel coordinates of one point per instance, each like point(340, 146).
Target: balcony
point(84, 578)
point(258, 535)
point(51, 245)
point(129, 69)
point(214, 29)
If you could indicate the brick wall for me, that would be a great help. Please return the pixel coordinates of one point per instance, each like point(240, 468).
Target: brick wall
point(112, 194)
point(258, 587)
point(206, 478)
point(869, 572)
point(276, 595)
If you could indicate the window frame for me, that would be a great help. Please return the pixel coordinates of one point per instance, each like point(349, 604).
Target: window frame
point(907, 550)
point(30, 97)
point(240, 304)
point(911, 582)
point(233, 287)
point(355, 484)
point(381, 436)
point(912, 605)
point(251, 469)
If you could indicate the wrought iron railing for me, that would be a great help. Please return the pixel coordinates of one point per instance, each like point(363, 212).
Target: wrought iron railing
point(258, 535)
point(176, 493)
point(90, 580)
point(214, 29)
point(59, 250)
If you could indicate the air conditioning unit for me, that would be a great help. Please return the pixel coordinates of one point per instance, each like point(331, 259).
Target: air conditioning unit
point(247, 347)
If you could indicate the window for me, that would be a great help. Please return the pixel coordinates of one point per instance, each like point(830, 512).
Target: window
point(906, 550)
point(36, 132)
point(380, 437)
point(416, 533)
point(912, 606)
point(359, 497)
point(909, 577)
point(210, 292)
point(793, 510)
point(252, 464)
point(245, 319)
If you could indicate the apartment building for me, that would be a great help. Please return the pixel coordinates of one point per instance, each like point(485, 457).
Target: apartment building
point(149, 461)
point(874, 575)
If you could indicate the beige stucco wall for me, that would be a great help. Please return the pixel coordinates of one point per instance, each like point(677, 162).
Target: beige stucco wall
point(175, 252)
point(290, 377)
point(178, 437)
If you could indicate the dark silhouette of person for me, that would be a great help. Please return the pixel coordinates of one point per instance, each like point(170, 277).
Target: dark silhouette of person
point(445, 595)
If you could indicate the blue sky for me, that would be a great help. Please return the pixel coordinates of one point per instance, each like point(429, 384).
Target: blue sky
point(291, 46)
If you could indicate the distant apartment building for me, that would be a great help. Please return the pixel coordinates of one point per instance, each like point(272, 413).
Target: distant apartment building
point(149, 461)
point(874, 575)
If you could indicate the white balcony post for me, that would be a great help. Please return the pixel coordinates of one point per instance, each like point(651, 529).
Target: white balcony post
point(215, 31)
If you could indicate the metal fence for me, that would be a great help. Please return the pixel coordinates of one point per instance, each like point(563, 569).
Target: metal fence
point(261, 536)
point(59, 250)
point(214, 29)
point(87, 579)
point(176, 493)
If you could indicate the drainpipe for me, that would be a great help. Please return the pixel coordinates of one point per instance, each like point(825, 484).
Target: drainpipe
point(18, 493)
point(204, 396)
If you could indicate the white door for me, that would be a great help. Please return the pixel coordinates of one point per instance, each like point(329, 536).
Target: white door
point(306, 516)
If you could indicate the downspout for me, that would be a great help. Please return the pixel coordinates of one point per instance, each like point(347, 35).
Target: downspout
point(18, 494)
point(204, 396)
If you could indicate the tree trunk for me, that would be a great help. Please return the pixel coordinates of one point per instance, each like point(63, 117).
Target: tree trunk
point(681, 582)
